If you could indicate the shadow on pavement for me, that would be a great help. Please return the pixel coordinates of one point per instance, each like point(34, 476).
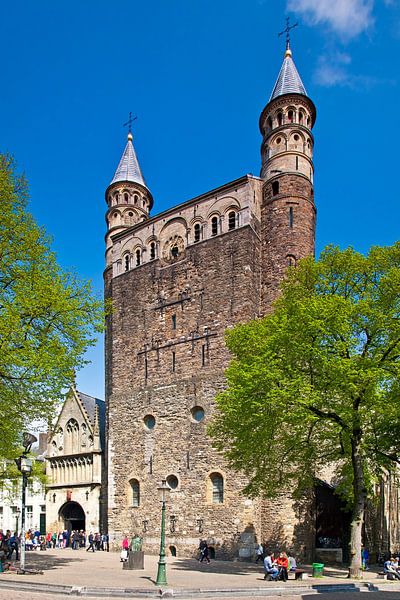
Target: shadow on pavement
point(45, 562)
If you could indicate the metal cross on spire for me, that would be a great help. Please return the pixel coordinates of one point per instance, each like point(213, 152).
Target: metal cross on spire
point(287, 31)
point(129, 122)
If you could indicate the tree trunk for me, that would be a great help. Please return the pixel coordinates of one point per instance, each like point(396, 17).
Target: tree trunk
point(360, 496)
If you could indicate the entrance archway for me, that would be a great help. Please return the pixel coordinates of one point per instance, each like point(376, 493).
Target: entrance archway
point(73, 516)
point(332, 527)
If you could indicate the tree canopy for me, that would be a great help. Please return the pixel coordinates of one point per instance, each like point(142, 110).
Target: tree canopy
point(316, 382)
point(48, 317)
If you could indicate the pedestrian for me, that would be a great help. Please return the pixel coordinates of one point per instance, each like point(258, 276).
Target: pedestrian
point(259, 552)
point(364, 559)
point(125, 549)
point(204, 552)
point(91, 543)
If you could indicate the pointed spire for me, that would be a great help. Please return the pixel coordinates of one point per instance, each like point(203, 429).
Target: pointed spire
point(128, 168)
point(289, 80)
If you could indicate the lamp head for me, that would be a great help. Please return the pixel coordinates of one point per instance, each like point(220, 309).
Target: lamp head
point(27, 440)
point(163, 489)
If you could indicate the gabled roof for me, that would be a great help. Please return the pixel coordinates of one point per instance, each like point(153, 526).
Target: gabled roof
point(128, 168)
point(289, 80)
point(90, 403)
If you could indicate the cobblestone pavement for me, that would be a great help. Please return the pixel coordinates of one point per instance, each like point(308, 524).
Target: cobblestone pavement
point(104, 570)
point(358, 596)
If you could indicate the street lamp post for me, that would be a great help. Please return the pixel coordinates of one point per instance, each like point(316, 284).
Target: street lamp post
point(162, 567)
point(17, 513)
point(24, 465)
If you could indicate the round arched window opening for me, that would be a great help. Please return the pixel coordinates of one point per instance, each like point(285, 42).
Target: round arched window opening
point(198, 413)
point(172, 550)
point(296, 137)
point(172, 482)
point(174, 251)
point(278, 140)
point(150, 422)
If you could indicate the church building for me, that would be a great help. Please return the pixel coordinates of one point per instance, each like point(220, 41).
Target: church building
point(177, 281)
point(75, 466)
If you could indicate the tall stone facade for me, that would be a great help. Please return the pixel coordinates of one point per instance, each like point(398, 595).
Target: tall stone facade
point(177, 281)
point(75, 466)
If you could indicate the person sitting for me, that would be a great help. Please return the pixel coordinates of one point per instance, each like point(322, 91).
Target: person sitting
point(390, 568)
point(282, 564)
point(292, 564)
point(271, 572)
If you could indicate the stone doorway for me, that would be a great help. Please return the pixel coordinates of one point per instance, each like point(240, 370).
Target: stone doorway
point(332, 527)
point(72, 516)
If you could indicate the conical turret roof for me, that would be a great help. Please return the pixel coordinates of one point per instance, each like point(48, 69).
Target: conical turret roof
point(289, 80)
point(128, 168)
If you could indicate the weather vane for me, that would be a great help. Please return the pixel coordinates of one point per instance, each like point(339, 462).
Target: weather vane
point(287, 31)
point(129, 122)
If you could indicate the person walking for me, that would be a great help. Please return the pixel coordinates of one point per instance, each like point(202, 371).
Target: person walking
point(204, 552)
point(91, 543)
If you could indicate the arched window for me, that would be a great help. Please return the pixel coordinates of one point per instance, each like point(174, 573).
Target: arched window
point(232, 220)
point(301, 117)
point(269, 123)
point(72, 437)
point(214, 226)
point(152, 250)
point(135, 490)
point(127, 262)
point(138, 256)
point(126, 197)
point(144, 203)
point(135, 199)
point(291, 260)
point(290, 116)
point(197, 231)
point(275, 188)
point(279, 117)
point(116, 197)
point(217, 488)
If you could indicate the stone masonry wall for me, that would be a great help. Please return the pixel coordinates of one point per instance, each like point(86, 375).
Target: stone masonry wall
point(166, 355)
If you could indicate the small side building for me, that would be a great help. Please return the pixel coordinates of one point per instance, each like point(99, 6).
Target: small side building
point(75, 465)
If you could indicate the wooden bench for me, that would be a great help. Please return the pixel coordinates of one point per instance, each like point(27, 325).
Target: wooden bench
point(299, 574)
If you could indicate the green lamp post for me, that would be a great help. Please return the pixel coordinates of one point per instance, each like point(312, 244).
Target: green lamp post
point(162, 567)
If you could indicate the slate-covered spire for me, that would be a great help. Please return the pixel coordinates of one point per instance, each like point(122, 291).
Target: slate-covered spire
point(289, 80)
point(128, 168)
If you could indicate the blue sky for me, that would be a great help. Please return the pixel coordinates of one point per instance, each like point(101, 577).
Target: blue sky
point(197, 73)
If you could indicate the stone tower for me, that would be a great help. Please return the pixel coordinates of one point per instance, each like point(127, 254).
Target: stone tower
point(129, 202)
point(177, 281)
point(288, 210)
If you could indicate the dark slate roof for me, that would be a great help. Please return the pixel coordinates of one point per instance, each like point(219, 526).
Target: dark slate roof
point(289, 80)
point(128, 168)
point(90, 403)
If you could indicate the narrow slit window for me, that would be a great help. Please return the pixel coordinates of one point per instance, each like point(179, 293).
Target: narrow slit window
point(146, 372)
point(297, 163)
point(135, 493)
point(173, 362)
point(152, 251)
point(138, 256)
point(291, 217)
point(127, 262)
point(203, 355)
point(275, 188)
point(173, 321)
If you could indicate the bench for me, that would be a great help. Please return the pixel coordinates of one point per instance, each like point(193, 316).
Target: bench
point(300, 575)
point(382, 575)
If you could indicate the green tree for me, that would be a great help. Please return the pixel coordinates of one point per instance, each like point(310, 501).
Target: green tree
point(316, 382)
point(48, 317)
